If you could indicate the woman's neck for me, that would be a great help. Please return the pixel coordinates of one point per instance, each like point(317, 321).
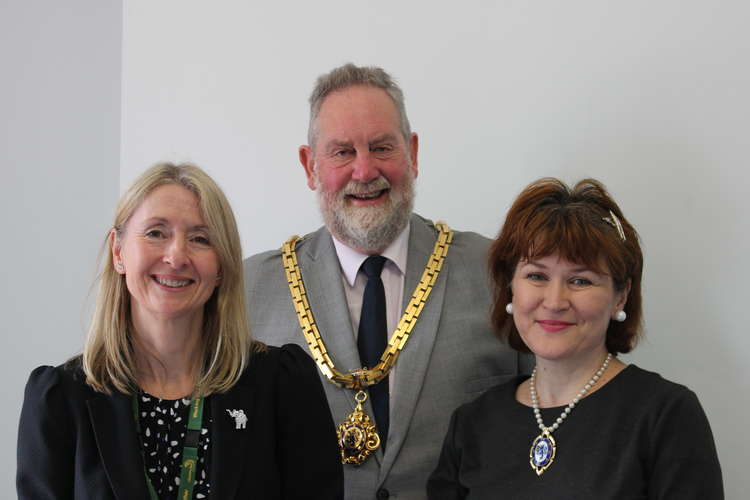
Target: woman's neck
point(558, 382)
point(168, 355)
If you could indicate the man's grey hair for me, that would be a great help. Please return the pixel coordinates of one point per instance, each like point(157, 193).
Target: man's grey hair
point(350, 75)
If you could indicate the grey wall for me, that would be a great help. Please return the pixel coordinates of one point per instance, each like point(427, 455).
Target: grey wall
point(59, 155)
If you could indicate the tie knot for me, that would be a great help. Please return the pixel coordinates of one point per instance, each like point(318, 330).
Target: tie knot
point(373, 266)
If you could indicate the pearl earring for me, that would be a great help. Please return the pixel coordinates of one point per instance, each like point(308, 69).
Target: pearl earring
point(119, 266)
point(509, 308)
point(620, 316)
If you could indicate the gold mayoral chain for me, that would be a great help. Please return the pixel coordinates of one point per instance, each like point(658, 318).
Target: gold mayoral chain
point(357, 435)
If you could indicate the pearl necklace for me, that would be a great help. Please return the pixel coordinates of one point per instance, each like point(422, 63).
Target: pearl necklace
point(543, 448)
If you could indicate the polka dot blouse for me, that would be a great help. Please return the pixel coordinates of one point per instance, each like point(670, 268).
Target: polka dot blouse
point(163, 424)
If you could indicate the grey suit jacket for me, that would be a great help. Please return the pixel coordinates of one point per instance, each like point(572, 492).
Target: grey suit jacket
point(450, 358)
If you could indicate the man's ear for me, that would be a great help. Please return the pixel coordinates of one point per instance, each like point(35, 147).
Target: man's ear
point(306, 158)
point(413, 150)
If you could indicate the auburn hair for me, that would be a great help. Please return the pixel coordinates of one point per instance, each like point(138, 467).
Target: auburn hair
point(549, 218)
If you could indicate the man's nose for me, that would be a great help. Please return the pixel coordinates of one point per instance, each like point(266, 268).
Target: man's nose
point(365, 168)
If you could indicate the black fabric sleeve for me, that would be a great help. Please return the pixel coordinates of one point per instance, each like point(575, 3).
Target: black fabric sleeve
point(310, 465)
point(443, 483)
point(45, 440)
point(684, 464)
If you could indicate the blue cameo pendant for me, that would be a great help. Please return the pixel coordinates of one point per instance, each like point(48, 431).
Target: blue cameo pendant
point(542, 452)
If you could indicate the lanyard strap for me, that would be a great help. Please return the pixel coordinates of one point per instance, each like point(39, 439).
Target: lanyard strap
point(189, 449)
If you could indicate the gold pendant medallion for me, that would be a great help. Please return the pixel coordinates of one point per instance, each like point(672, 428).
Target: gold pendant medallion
point(542, 452)
point(358, 436)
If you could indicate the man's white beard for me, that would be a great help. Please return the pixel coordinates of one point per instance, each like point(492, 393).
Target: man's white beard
point(368, 229)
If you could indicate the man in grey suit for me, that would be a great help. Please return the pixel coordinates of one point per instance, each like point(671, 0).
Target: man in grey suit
point(362, 161)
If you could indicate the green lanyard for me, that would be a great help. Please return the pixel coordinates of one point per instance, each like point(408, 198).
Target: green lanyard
point(189, 449)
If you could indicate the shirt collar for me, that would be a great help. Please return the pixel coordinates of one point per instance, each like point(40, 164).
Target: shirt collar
point(351, 260)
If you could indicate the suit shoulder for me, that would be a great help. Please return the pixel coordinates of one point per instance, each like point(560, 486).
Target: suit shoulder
point(468, 242)
point(471, 248)
point(471, 242)
point(271, 259)
point(261, 258)
point(256, 267)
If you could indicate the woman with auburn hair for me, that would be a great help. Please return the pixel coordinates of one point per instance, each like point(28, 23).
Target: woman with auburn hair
point(567, 271)
point(171, 397)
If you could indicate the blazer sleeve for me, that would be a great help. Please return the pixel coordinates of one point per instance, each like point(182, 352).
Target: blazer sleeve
point(45, 439)
point(684, 463)
point(310, 464)
point(443, 483)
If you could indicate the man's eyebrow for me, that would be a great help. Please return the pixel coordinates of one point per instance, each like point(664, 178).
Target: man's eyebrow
point(387, 137)
point(333, 144)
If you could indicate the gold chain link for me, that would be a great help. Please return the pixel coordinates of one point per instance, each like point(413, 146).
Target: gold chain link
point(358, 379)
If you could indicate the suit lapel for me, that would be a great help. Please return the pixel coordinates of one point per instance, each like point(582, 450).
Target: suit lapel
point(414, 359)
point(322, 277)
point(229, 443)
point(118, 443)
point(321, 273)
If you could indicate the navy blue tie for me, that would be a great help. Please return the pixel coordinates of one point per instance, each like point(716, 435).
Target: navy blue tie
point(372, 338)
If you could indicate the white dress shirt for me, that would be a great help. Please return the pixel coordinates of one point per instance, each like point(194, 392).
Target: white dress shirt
point(394, 272)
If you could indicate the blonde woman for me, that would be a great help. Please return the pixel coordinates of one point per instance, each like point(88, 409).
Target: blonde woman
point(171, 398)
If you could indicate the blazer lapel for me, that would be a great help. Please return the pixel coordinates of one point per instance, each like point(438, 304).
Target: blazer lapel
point(229, 443)
point(415, 357)
point(321, 273)
point(118, 443)
point(322, 278)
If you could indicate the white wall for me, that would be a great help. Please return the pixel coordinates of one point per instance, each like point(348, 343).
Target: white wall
point(59, 164)
point(649, 97)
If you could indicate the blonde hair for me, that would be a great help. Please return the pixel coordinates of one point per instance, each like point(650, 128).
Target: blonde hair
point(108, 358)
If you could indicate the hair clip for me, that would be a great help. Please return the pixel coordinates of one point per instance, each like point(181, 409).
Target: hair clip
point(615, 223)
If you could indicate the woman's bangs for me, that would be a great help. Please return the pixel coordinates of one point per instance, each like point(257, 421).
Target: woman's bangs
point(568, 237)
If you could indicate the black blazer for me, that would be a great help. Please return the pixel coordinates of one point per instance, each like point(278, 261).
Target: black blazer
point(74, 442)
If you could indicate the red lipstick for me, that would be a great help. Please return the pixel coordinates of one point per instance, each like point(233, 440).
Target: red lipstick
point(554, 326)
